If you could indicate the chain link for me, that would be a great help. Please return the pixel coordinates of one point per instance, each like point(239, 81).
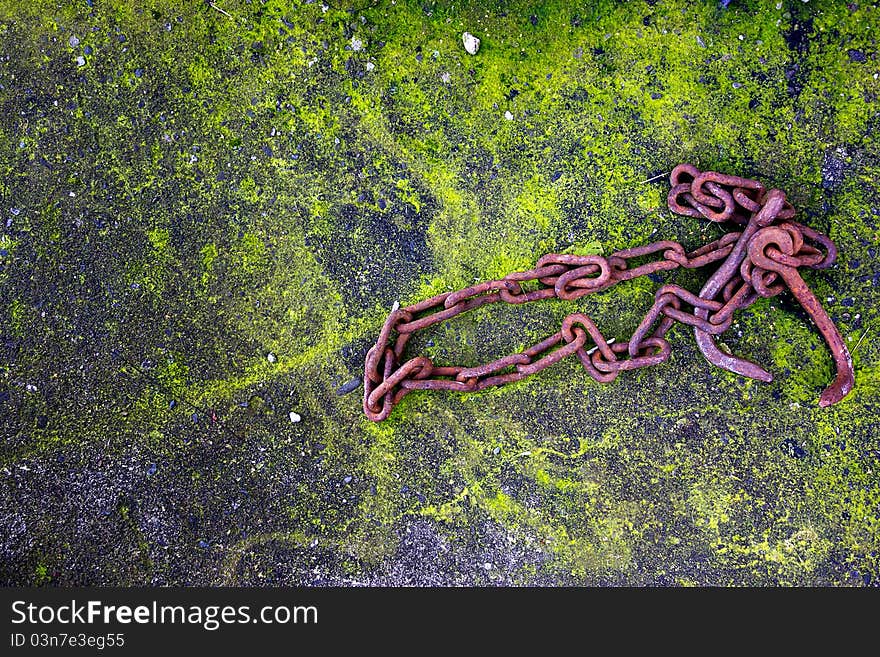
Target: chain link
point(759, 261)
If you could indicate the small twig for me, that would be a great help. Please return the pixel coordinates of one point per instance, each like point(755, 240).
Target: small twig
point(659, 175)
point(592, 349)
point(860, 339)
point(225, 13)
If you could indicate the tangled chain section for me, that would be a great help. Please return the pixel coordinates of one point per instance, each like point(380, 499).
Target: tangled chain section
point(759, 260)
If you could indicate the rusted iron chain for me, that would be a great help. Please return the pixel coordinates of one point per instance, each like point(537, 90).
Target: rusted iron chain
point(761, 260)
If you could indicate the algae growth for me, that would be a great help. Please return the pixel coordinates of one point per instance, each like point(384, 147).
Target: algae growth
point(207, 215)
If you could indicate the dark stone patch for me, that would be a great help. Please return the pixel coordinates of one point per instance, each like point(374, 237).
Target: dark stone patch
point(798, 40)
point(798, 37)
point(833, 171)
point(792, 448)
point(480, 162)
point(277, 563)
point(353, 354)
point(481, 554)
point(375, 257)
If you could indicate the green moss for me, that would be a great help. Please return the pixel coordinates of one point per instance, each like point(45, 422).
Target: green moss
point(800, 356)
point(17, 318)
point(172, 374)
point(250, 252)
point(159, 240)
point(209, 254)
point(41, 575)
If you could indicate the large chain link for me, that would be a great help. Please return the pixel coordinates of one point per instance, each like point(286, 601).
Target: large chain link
point(761, 260)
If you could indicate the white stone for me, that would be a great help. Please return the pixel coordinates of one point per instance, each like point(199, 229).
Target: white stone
point(471, 43)
point(271, 357)
point(508, 115)
point(294, 417)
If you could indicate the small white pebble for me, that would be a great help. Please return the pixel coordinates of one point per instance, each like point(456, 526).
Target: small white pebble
point(271, 357)
point(445, 78)
point(395, 306)
point(356, 44)
point(294, 417)
point(370, 66)
point(81, 61)
point(487, 566)
point(508, 115)
point(471, 43)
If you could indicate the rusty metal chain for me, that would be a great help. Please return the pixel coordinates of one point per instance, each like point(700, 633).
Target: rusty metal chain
point(761, 260)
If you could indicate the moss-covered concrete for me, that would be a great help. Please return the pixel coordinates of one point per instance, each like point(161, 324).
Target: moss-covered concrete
point(207, 209)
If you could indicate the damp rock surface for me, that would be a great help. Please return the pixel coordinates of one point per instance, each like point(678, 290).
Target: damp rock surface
point(205, 218)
